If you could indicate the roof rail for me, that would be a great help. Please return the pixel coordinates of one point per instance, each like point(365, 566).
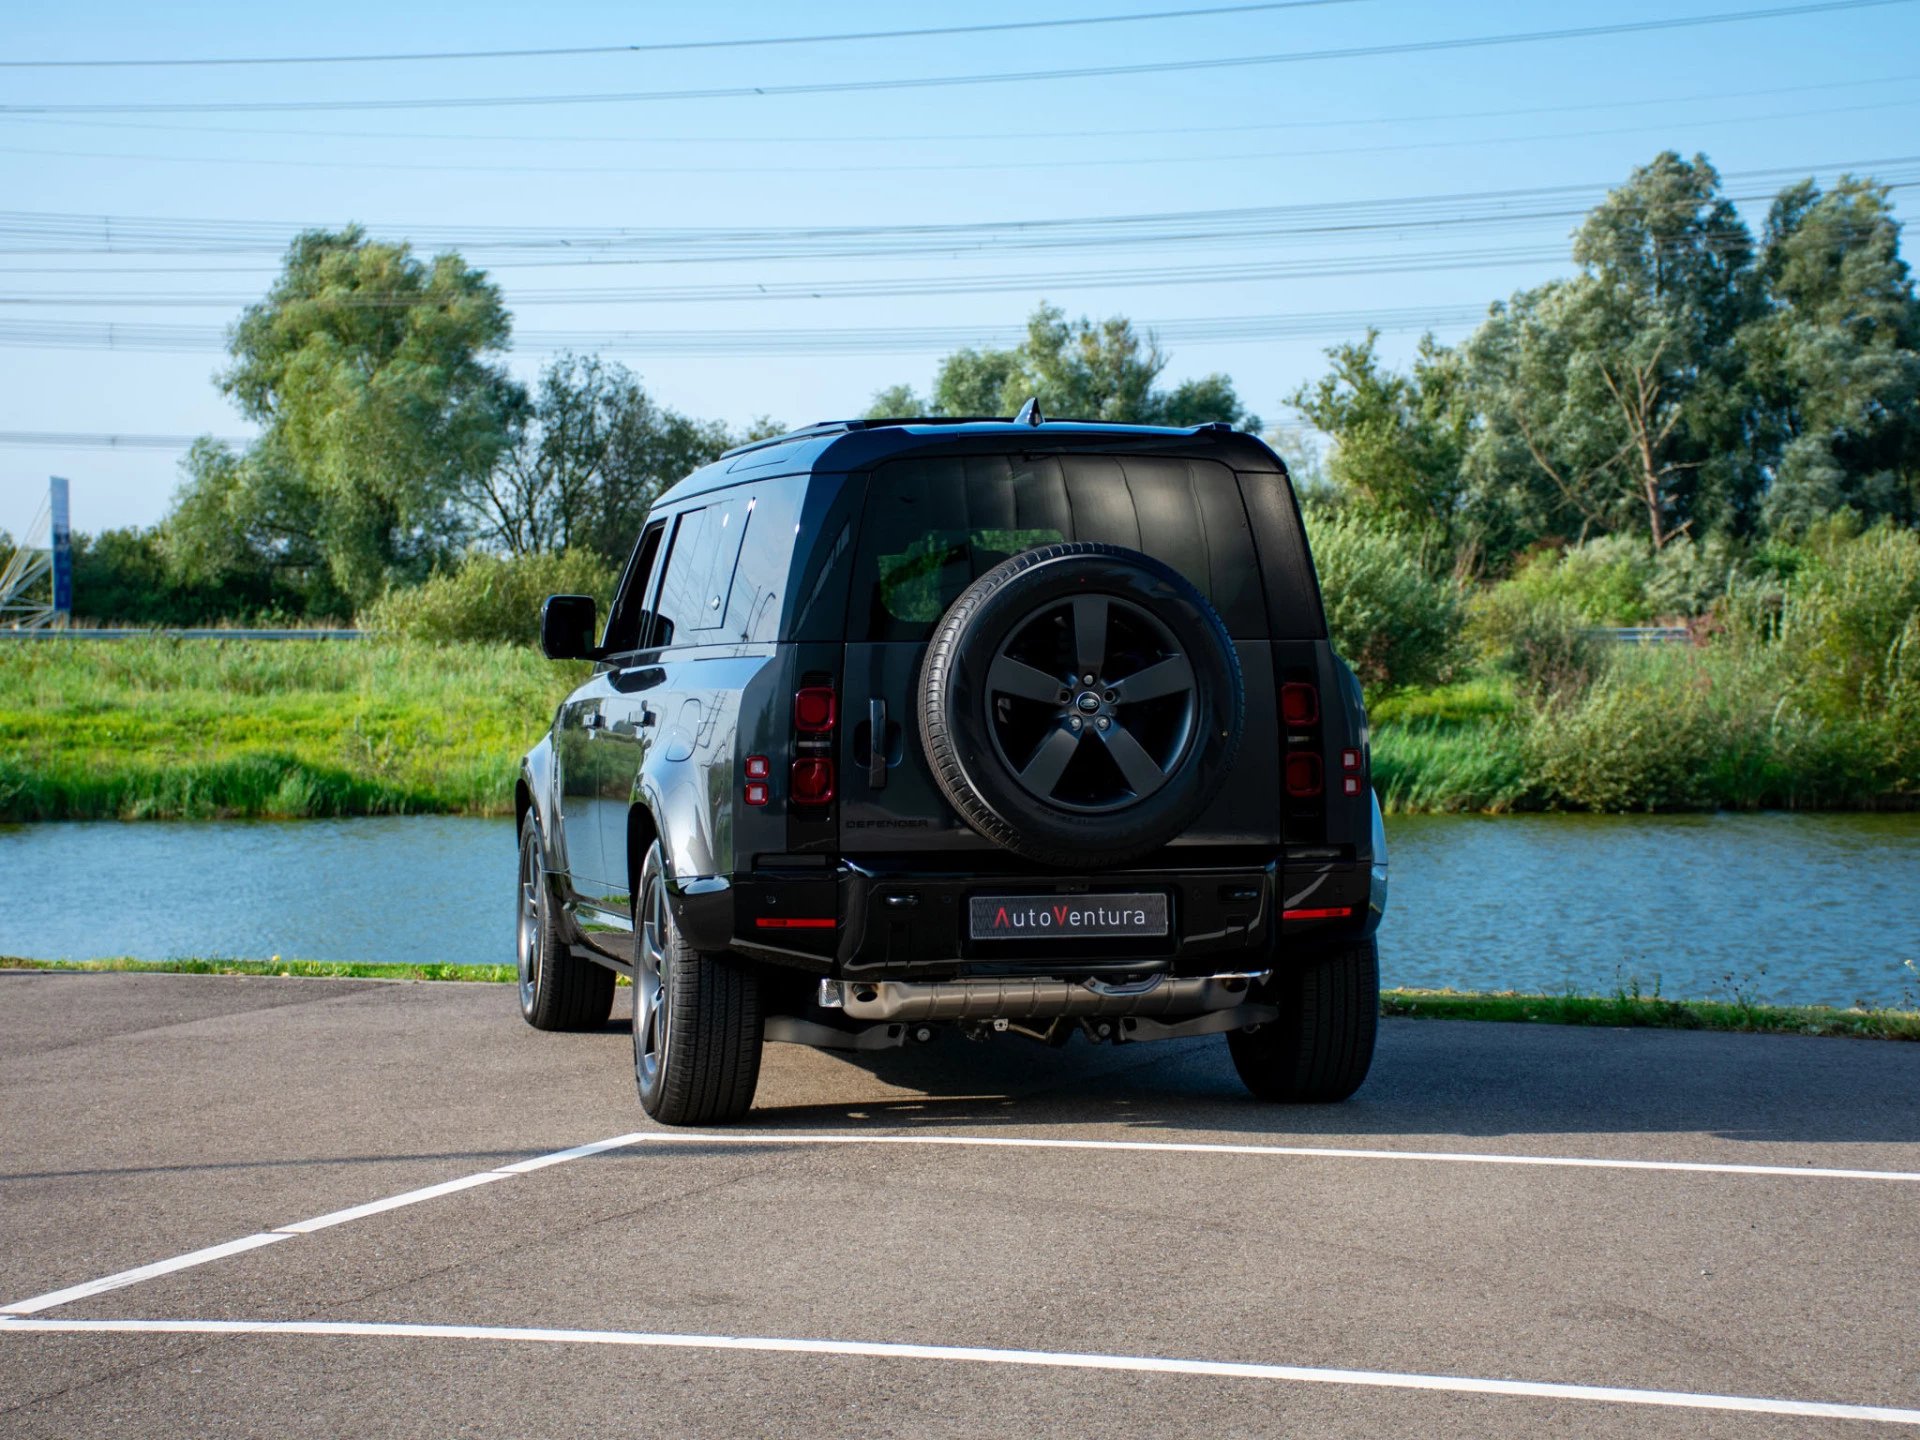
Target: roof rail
point(819, 427)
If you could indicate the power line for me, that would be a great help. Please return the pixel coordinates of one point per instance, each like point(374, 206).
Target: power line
point(712, 343)
point(26, 232)
point(920, 167)
point(844, 87)
point(87, 440)
point(871, 288)
point(1343, 122)
point(657, 47)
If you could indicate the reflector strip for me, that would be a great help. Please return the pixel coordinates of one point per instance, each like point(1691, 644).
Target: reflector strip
point(1334, 912)
point(792, 922)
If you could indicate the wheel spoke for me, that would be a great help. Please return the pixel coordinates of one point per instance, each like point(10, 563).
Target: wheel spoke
point(1049, 762)
point(1007, 676)
point(1144, 776)
point(1170, 676)
point(1090, 632)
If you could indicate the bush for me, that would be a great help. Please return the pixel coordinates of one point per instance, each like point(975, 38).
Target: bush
point(1546, 644)
point(1849, 620)
point(1603, 581)
point(1643, 737)
point(1390, 620)
point(489, 598)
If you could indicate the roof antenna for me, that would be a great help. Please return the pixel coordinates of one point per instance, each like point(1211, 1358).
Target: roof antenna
point(1030, 414)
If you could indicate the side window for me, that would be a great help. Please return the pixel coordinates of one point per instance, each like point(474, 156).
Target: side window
point(683, 584)
point(766, 556)
point(726, 529)
point(627, 621)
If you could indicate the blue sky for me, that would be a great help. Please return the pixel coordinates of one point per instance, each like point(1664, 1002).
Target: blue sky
point(1810, 92)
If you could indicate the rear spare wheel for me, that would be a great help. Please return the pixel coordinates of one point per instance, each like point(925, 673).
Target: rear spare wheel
point(1081, 704)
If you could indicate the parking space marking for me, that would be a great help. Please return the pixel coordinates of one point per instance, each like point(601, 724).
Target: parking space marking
point(123, 1278)
point(144, 1272)
point(1317, 1152)
point(1045, 1359)
point(734, 1138)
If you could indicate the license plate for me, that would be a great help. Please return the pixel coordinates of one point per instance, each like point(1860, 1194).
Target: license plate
point(1066, 917)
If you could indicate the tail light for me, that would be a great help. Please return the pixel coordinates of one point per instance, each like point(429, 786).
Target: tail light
point(1303, 776)
point(1351, 782)
point(759, 772)
point(815, 710)
point(812, 780)
point(1299, 704)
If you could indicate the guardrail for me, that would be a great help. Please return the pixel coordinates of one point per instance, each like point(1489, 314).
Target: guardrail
point(1643, 634)
point(82, 633)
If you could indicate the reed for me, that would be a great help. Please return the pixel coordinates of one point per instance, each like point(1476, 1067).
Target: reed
point(154, 728)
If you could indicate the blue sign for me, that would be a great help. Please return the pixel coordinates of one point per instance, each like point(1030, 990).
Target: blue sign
point(62, 553)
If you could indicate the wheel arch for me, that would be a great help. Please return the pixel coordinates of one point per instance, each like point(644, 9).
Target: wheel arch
point(642, 831)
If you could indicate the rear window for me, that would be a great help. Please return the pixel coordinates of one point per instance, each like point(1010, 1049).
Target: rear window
point(934, 526)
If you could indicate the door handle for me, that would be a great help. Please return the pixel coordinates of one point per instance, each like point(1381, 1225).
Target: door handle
point(877, 745)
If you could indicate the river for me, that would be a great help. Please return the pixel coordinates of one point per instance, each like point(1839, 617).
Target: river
point(1782, 908)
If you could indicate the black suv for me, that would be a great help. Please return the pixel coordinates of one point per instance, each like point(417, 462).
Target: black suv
point(901, 725)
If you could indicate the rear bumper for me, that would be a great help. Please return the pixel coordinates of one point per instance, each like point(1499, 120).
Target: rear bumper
point(858, 921)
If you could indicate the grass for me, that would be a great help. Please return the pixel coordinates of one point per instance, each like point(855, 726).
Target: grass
point(170, 729)
point(1652, 1012)
point(1622, 1009)
point(188, 729)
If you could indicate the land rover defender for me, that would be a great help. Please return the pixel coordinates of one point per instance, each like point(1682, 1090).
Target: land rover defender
point(1020, 728)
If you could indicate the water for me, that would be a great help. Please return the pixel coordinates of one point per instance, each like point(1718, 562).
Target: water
point(1816, 909)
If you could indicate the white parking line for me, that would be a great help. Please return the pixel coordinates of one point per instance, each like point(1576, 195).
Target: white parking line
point(1046, 1359)
point(1316, 1152)
point(735, 1138)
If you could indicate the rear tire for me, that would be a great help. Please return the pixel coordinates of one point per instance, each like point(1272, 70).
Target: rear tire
point(697, 1026)
point(1321, 1047)
point(558, 990)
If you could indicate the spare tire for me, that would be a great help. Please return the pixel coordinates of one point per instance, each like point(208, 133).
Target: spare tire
point(1081, 704)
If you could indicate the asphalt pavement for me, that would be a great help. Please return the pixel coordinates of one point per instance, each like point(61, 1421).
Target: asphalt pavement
point(426, 1219)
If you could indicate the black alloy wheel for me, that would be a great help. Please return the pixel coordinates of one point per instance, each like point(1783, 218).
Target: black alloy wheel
point(1125, 698)
point(697, 1027)
point(558, 989)
point(1081, 704)
point(652, 982)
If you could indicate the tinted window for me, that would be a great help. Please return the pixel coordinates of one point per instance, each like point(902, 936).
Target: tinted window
point(726, 571)
point(766, 553)
point(683, 588)
point(932, 527)
point(624, 622)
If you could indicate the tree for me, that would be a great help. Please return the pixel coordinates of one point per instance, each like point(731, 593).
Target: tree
point(367, 368)
point(1835, 358)
point(1399, 438)
point(1623, 384)
point(246, 519)
point(594, 453)
point(1077, 370)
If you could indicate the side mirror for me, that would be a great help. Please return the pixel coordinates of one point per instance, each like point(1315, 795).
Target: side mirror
point(566, 628)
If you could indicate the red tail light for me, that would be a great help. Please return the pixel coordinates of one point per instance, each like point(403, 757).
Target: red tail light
point(1299, 704)
point(1303, 776)
point(815, 709)
point(811, 780)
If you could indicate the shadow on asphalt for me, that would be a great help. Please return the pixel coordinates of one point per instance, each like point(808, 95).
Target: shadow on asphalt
point(1429, 1078)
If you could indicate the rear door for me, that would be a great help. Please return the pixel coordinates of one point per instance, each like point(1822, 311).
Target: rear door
point(932, 526)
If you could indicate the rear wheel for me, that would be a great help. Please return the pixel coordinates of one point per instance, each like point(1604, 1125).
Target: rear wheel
point(696, 1017)
point(558, 990)
point(1322, 1045)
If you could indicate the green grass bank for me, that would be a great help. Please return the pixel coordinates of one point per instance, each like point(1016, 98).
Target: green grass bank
point(171, 729)
point(167, 729)
point(1618, 1010)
